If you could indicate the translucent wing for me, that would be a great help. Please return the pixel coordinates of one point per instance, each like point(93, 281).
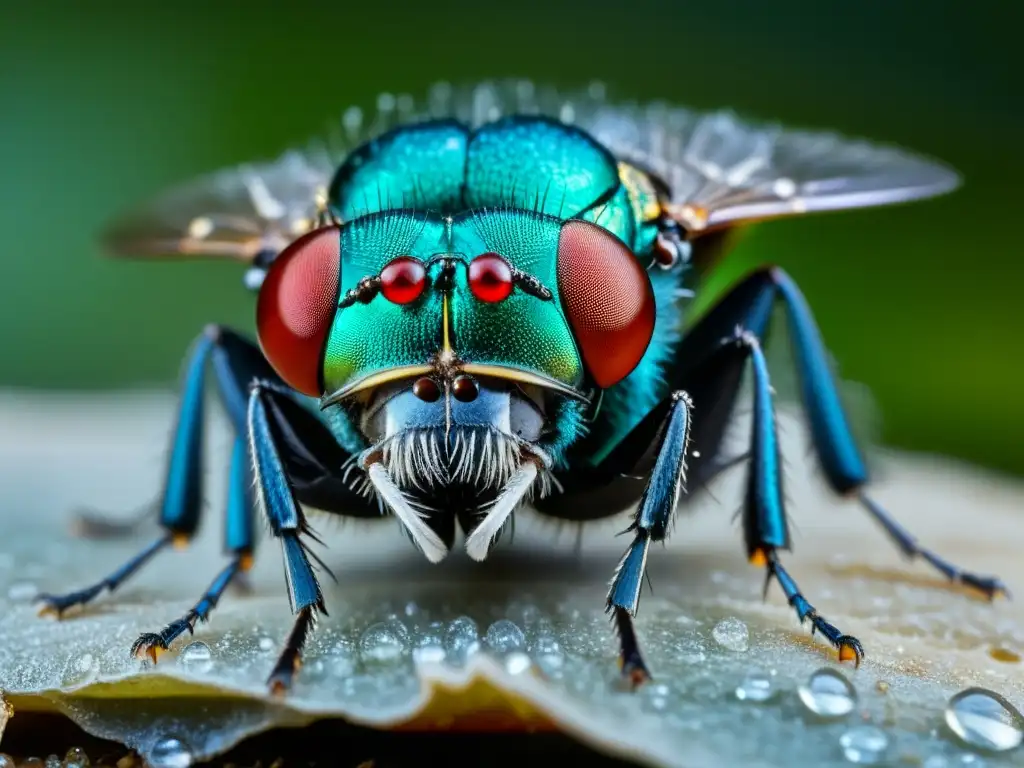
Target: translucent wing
point(722, 170)
point(235, 213)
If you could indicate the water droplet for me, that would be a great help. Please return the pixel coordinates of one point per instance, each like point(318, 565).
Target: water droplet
point(692, 651)
point(461, 640)
point(196, 657)
point(76, 758)
point(266, 644)
point(504, 636)
point(733, 634)
point(755, 687)
point(551, 664)
point(963, 760)
point(396, 625)
point(657, 697)
point(517, 662)
point(79, 670)
point(864, 744)
point(530, 614)
point(22, 592)
point(380, 643)
point(828, 694)
point(169, 753)
point(52, 761)
point(432, 653)
point(341, 665)
point(6, 761)
point(545, 642)
point(985, 720)
point(430, 645)
point(547, 652)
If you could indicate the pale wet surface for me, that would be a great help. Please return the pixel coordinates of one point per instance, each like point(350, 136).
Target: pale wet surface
point(733, 674)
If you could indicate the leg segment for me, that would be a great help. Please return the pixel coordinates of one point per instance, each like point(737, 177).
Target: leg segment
point(312, 466)
point(287, 522)
point(650, 523)
point(297, 459)
point(238, 538)
point(179, 513)
point(849, 648)
point(236, 361)
point(750, 305)
point(57, 604)
point(764, 515)
point(718, 379)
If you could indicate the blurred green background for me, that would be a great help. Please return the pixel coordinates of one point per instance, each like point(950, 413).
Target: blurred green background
point(104, 103)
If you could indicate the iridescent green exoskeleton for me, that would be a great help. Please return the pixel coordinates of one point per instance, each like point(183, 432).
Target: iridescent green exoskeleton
point(477, 309)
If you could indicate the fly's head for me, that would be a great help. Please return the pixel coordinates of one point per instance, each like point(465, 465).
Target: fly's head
point(456, 356)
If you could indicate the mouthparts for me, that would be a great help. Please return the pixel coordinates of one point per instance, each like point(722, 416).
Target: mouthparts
point(479, 475)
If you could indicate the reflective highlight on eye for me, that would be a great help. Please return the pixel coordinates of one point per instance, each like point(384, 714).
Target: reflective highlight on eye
point(465, 389)
point(490, 278)
point(402, 281)
point(426, 389)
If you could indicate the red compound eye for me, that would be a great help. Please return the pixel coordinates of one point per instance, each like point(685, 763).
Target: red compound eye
point(608, 299)
point(296, 307)
point(403, 280)
point(490, 278)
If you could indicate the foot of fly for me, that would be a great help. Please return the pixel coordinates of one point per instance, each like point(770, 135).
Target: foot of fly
point(56, 605)
point(631, 663)
point(152, 645)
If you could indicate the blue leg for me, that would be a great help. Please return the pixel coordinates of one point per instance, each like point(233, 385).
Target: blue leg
point(57, 604)
point(849, 648)
point(238, 538)
point(764, 515)
point(236, 361)
point(267, 438)
point(750, 304)
point(650, 523)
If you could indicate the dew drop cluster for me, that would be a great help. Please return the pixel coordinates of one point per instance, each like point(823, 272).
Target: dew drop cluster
point(979, 719)
point(373, 662)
